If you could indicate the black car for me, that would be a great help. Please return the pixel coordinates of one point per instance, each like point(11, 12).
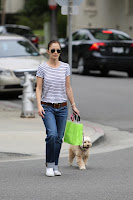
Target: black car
point(100, 49)
point(20, 30)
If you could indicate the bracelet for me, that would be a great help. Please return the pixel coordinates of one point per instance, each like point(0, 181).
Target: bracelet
point(73, 105)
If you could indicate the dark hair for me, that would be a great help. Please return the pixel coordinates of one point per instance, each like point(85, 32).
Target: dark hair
point(53, 41)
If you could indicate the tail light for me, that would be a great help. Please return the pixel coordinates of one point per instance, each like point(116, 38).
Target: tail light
point(108, 32)
point(131, 45)
point(96, 46)
point(35, 40)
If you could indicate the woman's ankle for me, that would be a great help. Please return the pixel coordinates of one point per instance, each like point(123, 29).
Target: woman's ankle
point(55, 168)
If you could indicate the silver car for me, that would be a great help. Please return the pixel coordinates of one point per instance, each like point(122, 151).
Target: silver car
point(17, 55)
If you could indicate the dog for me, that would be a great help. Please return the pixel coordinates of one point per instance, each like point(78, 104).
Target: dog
point(81, 153)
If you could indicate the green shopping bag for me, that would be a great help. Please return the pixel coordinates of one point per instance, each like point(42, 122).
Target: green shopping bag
point(73, 133)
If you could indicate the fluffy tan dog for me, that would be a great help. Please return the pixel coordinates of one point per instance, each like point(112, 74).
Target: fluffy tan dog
point(80, 152)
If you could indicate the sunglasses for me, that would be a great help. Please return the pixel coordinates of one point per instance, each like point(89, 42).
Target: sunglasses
point(53, 50)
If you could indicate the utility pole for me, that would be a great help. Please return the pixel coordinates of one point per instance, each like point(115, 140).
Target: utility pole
point(69, 7)
point(53, 29)
point(70, 3)
point(3, 5)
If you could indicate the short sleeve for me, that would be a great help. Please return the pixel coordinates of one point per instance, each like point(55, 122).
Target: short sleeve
point(40, 71)
point(68, 71)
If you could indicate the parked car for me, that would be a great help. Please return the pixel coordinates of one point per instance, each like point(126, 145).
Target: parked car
point(17, 55)
point(100, 49)
point(20, 30)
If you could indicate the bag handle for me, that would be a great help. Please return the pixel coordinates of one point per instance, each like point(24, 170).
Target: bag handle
point(77, 117)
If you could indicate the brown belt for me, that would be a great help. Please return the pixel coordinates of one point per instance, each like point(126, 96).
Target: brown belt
point(55, 105)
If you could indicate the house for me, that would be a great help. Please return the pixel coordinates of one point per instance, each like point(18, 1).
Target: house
point(105, 13)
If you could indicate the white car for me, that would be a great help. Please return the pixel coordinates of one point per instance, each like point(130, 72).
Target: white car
point(17, 55)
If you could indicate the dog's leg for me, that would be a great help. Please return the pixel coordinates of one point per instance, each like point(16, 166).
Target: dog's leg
point(85, 160)
point(80, 162)
point(71, 156)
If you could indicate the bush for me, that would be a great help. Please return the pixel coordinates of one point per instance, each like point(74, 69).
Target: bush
point(40, 34)
point(35, 22)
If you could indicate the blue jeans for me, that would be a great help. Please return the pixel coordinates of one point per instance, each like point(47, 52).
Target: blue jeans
point(55, 122)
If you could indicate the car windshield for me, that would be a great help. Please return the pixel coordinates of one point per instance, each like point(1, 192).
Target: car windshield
point(12, 48)
point(19, 31)
point(109, 35)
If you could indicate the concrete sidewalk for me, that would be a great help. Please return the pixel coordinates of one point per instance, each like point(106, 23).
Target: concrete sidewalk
point(27, 135)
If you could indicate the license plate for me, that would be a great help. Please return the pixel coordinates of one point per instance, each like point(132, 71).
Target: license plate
point(117, 49)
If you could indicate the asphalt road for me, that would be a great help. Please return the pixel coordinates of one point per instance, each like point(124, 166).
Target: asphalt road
point(108, 177)
point(104, 100)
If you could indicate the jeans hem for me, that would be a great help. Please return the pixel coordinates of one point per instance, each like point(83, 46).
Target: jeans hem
point(56, 168)
point(50, 165)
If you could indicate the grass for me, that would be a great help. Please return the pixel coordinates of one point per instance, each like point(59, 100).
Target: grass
point(40, 34)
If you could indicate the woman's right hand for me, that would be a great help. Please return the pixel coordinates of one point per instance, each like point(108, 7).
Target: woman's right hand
point(41, 111)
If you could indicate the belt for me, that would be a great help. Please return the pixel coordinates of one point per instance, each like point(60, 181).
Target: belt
point(55, 105)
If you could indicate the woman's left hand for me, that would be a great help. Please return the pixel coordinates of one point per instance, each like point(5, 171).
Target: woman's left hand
point(75, 111)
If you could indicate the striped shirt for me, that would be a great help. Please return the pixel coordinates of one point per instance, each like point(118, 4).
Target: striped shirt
point(54, 79)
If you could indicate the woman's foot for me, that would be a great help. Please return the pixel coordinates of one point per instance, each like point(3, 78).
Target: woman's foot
point(57, 173)
point(49, 172)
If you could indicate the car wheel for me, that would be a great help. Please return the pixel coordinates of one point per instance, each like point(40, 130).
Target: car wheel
point(130, 74)
point(104, 72)
point(81, 67)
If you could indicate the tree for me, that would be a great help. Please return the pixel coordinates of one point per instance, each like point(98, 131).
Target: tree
point(3, 3)
point(36, 7)
point(37, 12)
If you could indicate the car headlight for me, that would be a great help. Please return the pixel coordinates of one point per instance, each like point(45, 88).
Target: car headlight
point(6, 73)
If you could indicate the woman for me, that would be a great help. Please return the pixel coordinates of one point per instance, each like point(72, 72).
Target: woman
point(53, 88)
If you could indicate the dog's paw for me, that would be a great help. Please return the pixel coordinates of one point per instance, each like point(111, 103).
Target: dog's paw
point(82, 168)
point(70, 164)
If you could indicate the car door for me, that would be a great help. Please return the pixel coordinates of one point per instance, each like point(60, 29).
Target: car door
point(64, 48)
point(79, 38)
point(75, 48)
point(80, 44)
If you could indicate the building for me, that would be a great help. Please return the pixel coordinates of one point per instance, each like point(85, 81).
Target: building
point(105, 13)
point(8, 8)
point(13, 6)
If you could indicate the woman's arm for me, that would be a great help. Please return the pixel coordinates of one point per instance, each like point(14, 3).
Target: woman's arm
point(69, 93)
point(38, 96)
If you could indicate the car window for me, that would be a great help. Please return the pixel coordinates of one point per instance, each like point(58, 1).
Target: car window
point(75, 36)
point(109, 36)
point(120, 37)
point(80, 36)
point(11, 48)
point(103, 36)
point(19, 31)
point(1, 29)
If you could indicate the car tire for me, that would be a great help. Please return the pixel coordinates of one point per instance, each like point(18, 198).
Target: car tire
point(130, 74)
point(81, 66)
point(104, 72)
